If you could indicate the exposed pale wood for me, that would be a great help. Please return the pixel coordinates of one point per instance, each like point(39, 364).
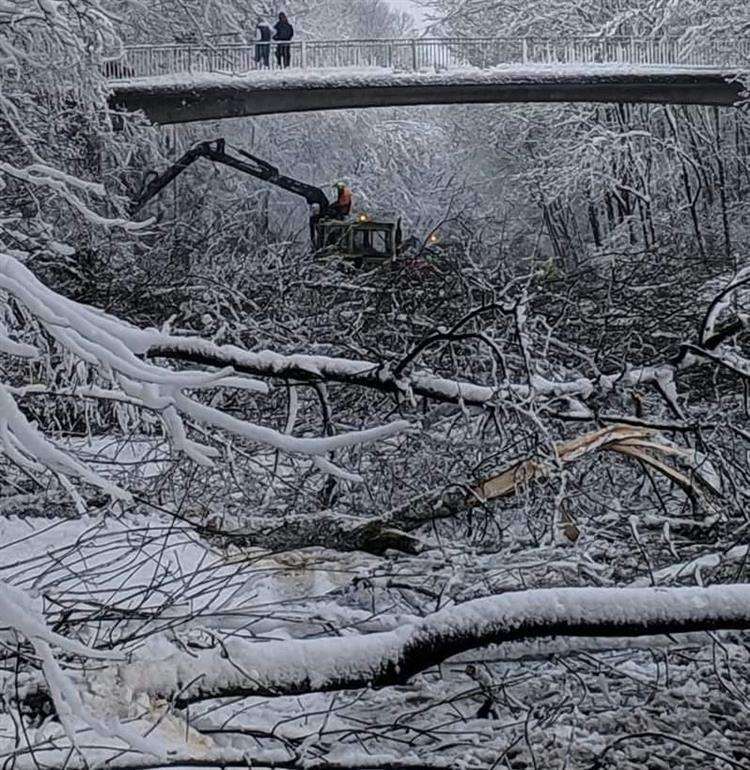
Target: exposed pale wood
point(376, 535)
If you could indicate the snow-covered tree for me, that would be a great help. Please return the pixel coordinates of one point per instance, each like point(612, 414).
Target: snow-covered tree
point(485, 509)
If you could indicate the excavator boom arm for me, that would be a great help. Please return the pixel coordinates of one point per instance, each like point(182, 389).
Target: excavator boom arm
point(155, 183)
point(256, 167)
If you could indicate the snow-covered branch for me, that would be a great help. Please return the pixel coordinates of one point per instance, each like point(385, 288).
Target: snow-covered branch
point(113, 347)
point(242, 668)
point(382, 377)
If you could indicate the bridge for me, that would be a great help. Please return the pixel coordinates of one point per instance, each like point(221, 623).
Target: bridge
point(183, 82)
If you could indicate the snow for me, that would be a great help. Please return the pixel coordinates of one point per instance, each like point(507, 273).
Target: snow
point(734, 555)
point(121, 618)
point(20, 612)
point(26, 446)
point(71, 710)
point(372, 77)
point(12, 348)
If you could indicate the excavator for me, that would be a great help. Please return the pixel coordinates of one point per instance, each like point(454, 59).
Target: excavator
point(361, 239)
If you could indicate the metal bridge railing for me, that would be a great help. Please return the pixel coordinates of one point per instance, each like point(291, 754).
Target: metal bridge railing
point(424, 53)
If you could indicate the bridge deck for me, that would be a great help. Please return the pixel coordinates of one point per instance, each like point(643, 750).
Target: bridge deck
point(186, 97)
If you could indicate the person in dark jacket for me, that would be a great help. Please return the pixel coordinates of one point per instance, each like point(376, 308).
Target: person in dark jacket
point(263, 43)
point(284, 33)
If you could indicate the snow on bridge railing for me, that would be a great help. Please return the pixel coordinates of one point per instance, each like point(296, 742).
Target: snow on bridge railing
point(424, 53)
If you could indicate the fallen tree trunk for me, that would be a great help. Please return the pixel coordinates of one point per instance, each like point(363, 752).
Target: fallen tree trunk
point(388, 378)
point(390, 531)
point(245, 669)
point(337, 532)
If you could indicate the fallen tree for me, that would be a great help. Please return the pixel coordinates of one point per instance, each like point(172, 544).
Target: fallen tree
point(394, 379)
point(242, 669)
point(375, 535)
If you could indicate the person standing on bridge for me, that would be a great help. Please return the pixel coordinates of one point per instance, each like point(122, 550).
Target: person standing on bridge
point(284, 34)
point(262, 44)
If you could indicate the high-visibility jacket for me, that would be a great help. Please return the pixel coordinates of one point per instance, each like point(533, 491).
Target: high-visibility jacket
point(344, 202)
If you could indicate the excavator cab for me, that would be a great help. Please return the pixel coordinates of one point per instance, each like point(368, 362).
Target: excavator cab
point(362, 240)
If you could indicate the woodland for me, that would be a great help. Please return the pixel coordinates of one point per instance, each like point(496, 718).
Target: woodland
point(485, 507)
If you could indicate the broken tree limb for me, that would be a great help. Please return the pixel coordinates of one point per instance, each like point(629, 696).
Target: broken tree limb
point(637, 443)
point(376, 535)
point(245, 669)
point(384, 378)
point(337, 532)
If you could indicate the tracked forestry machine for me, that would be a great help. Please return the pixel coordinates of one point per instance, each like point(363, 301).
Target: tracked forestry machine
point(359, 238)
